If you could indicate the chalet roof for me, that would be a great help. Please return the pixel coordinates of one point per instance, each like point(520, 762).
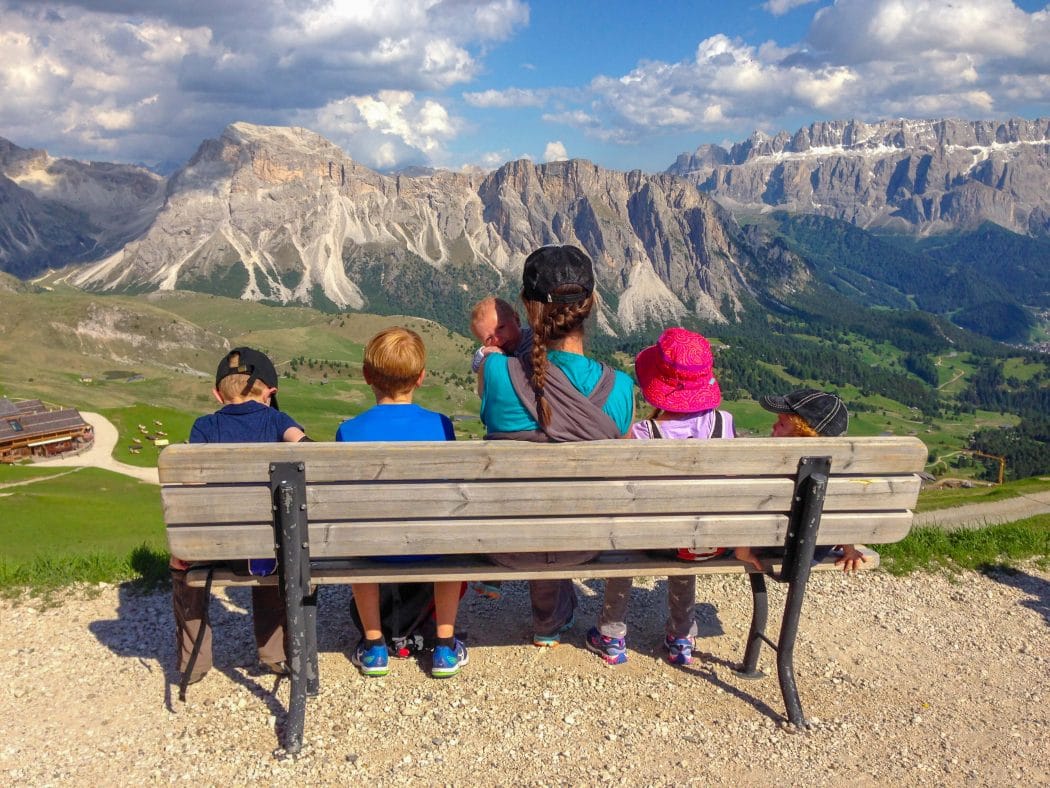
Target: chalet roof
point(26, 426)
point(7, 407)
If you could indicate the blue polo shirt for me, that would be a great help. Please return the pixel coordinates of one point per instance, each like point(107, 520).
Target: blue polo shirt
point(245, 422)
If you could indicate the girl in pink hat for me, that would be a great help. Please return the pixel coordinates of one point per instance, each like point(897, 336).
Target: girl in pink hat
point(676, 377)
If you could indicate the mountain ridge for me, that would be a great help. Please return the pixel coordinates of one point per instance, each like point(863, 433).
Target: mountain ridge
point(913, 176)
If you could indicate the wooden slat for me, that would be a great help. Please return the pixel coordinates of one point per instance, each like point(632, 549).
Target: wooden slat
point(618, 564)
point(445, 537)
point(240, 504)
point(325, 462)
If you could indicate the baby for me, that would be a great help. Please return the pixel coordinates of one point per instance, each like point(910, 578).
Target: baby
point(496, 326)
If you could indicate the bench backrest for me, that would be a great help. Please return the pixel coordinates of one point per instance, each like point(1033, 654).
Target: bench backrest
point(503, 496)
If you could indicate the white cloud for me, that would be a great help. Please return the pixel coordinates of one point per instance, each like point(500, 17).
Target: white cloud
point(781, 7)
point(511, 97)
point(861, 58)
point(85, 76)
point(555, 151)
point(390, 128)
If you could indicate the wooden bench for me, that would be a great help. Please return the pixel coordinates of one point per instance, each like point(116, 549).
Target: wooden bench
point(322, 506)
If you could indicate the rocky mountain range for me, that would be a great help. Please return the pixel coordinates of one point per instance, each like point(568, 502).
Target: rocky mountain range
point(283, 215)
point(54, 212)
point(917, 176)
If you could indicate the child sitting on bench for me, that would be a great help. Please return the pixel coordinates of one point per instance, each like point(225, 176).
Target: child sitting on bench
point(394, 367)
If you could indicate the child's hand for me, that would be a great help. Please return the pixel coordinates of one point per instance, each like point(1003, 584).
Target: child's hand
point(851, 558)
point(178, 564)
point(744, 554)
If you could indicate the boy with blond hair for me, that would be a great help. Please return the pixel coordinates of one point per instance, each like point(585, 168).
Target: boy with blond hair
point(246, 387)
point(394, 367)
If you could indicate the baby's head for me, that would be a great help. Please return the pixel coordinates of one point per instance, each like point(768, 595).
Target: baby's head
point(807, 413)
point(494, 323)
point(246, 374)
point(394, 362)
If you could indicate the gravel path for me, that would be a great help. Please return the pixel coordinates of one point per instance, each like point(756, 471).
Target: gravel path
point(929, 679)
point(100, 455)
point(979, 515)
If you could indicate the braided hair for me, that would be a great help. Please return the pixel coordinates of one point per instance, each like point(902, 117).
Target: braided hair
point(551, 322)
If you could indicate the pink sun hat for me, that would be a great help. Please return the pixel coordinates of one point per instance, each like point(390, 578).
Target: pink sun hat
point(677, 373)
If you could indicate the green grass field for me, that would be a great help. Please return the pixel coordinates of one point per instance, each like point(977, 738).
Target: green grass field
point(84, 525)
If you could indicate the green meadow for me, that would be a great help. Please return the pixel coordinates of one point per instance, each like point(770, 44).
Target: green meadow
point(147, 364)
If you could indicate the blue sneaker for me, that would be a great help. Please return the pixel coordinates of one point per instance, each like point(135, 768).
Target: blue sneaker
point(612, 650)
point(374, 661)
point(448, 661)
point(550, 641)
point(679, 650)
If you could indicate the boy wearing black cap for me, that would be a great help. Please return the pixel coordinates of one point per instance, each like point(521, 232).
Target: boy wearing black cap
point(246, 387)
point(808, 413)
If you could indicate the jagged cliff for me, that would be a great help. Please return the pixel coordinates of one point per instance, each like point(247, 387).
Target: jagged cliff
point(57, 211)
point(281, 214)
point(904, 175)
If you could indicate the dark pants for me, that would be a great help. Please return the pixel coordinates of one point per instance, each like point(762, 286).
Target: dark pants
point(190, 604)
point(553, 601)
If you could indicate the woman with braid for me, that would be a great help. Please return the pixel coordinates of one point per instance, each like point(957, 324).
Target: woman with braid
point(552, 395)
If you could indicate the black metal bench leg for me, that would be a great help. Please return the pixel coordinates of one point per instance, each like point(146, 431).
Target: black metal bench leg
point(288, 483)
point(798, 558)
point(786, 654)
point(313, 677)
point(759, 617)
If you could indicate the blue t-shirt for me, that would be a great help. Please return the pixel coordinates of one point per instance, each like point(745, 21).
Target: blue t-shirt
point(502, 411)
point(407, 422)
point(245, 422)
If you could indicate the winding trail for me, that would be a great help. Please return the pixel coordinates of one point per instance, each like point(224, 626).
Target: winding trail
point(100, 455)
point(978, 515)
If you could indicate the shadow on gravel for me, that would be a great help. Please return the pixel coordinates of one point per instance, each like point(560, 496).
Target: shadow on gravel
point(1037, 588)
point(144, 629)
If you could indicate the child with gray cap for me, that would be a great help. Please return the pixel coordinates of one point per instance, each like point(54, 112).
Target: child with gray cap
point(808, 413)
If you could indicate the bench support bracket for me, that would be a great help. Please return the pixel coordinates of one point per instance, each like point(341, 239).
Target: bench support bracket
point(811, 484)
point(288, 488)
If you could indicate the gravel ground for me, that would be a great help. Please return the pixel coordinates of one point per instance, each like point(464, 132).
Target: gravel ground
point(929, 679)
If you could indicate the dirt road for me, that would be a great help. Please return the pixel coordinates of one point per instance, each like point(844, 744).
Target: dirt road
point(100, 455)
point(978, 515)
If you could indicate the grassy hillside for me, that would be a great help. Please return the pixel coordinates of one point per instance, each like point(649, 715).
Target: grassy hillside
point(148, 359)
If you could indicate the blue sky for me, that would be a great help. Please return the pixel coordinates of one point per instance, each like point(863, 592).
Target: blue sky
point(464, 83)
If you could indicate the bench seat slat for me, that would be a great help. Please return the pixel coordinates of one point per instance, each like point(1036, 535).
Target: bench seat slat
point(230, 542)
point(612, 564)
point(325, 462)
point(365, 501)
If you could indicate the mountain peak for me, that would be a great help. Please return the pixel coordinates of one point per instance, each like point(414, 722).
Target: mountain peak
point(907, 175)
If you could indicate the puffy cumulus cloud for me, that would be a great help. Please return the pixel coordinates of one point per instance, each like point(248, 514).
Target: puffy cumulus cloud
point(781, 7)
point(861, 58)
point(855, 31)
point(76, 73)
point(391, 128)
point(555, 151)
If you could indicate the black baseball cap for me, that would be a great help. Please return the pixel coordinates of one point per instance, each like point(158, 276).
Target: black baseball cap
point(552, 268)
point(824, 412)
point(253, 363)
